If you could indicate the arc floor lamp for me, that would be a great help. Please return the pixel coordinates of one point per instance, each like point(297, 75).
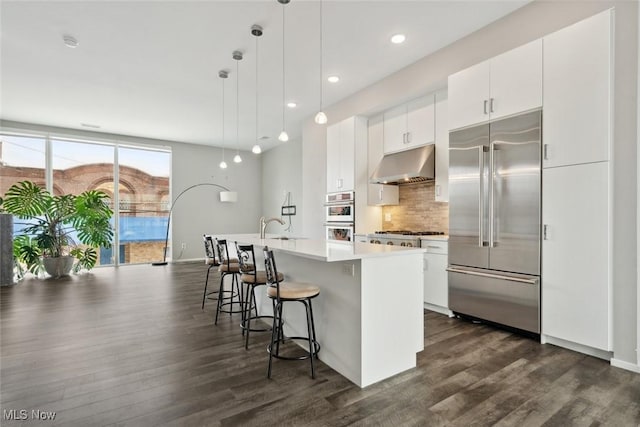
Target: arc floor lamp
point(226, 195)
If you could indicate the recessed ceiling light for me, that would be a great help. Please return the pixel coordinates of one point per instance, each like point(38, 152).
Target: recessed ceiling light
point(333, 79)
point(292, 104)
point(398, 38)
point(70, 41)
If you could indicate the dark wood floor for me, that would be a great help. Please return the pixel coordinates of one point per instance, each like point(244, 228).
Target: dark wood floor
point(131, 346)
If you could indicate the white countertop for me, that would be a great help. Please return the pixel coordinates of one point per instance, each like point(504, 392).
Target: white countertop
point(321, 250)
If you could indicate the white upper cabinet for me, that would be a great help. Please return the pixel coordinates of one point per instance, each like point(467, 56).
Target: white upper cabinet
point(409, 125)
point(516, 81)
point(508, 84)
point(577, 93)
point(378, 194)
point(468, 96)
point(442, 147)
point(341, 156)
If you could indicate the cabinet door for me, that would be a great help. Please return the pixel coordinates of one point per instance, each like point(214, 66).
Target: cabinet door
point(442, 147)
point(333, 158)
point(577, 93)
point(516, 80)
point(468, 91)
point(436, 290)
point(347, 154)
point(575, 254)
point(381, 194)
point(420, 122)
point(395, 129)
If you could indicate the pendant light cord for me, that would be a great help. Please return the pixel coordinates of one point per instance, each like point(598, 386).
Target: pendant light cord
point(223, 119)
point(321, 83)
point(257, 89)
point(237, 107)
point(283, 69)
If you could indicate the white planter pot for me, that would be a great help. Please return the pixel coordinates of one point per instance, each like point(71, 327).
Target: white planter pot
point(58, 266)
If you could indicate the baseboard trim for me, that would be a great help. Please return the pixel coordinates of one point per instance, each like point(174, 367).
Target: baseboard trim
point(180, 261)
point(625, 365)
point(438, 309)
point(580, 348)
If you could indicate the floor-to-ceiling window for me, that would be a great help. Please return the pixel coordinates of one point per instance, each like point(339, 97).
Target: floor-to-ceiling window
point(63, 165)
point(143, 177)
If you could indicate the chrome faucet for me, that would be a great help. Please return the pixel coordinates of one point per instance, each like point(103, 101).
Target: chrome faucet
point(264, 222)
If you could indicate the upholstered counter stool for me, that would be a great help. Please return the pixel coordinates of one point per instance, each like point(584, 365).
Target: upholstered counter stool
point(251, 278)
point(228, 267)
point(281, 292)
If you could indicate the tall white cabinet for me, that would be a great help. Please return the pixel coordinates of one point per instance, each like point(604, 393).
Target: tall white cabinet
point(576, 246)
point(341, 143)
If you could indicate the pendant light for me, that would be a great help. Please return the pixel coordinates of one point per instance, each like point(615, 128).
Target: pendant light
point(256, 30)
point(321, 117)
point(284, 137)
point(223, 75)
point(237, 55)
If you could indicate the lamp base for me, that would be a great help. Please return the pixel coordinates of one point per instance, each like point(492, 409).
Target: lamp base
point(159, 263)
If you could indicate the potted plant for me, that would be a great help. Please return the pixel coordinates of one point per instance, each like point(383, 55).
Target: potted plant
point(58, 229)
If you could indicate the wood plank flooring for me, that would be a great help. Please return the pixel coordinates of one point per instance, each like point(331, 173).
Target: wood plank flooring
point(130, 346)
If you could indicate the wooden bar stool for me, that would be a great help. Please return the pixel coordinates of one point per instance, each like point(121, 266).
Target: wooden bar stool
point(252, 278)
point(228, 267)
point(282, 292)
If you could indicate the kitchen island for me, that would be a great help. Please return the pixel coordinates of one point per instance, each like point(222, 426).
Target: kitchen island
point(369, 314)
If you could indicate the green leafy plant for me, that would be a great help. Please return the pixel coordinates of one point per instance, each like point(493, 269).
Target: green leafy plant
point(57, 225)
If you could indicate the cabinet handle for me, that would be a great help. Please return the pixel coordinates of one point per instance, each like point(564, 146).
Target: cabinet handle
point(339, 182)
point(545, 151)
point(491, 105)
point(408, 137)
point(437, 190)
point(545, 229)
point(434, 247)
point(485, 106)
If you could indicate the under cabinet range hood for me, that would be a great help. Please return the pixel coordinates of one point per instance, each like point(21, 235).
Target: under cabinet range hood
point(405, 167)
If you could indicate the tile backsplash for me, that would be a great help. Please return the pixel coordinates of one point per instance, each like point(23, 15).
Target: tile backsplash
point(418, 210)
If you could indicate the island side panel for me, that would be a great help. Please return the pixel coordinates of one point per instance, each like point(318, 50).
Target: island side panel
point(336, 310)
point(392, 315)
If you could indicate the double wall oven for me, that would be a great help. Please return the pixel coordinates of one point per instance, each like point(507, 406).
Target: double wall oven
point(339, 213)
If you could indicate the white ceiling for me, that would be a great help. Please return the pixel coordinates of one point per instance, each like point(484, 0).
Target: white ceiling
point(150, 68)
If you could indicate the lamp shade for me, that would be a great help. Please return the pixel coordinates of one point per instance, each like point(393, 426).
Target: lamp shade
point(229, 196)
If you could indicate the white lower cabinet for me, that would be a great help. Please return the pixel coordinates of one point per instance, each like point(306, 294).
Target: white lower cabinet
point(576, 252)
point(436, 282)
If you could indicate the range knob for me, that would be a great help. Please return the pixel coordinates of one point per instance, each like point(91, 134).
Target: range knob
point(403, 244)
point(390, 243)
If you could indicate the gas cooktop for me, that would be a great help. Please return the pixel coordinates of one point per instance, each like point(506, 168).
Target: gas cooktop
point(412, 233)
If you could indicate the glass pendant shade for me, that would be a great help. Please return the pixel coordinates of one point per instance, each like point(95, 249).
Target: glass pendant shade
point(223, 165)
point(237, 158)
point(256, 149)
point(321, 118)
point(283, 136)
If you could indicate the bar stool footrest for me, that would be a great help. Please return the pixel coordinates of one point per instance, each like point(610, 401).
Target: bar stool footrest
point(267, 328)
point(305, 357)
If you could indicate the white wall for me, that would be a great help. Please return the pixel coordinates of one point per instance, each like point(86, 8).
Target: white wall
point(526, 24)
point(198, 211)
point(282, 172)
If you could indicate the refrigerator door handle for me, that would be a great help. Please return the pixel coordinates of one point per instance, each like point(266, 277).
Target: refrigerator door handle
point(494, 276)
point(492, 150)
point(481, 207)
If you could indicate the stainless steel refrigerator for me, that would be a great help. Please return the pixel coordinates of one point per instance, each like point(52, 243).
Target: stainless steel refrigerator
point(495, 221)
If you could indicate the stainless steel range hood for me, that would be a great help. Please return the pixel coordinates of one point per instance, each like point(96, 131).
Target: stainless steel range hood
point(406, 166)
